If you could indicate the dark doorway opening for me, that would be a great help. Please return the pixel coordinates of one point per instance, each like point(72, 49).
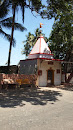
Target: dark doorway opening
point(50, 77)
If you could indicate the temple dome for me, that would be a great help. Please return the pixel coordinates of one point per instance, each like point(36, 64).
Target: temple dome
point(40, 50)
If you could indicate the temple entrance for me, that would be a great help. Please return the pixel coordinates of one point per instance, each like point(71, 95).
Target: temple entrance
point(50, 77)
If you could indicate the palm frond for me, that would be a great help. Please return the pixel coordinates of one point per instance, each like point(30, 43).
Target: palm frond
point(23, 9)
point(8, 23)
point(18, 26)
point(22, 5)
point(4, 8)
point(6, 19)
point(7, 36)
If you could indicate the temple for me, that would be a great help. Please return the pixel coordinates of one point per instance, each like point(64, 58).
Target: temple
point(41, 62)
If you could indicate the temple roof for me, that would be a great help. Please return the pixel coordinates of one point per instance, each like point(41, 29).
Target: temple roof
point(40, 50)
point(40, 47)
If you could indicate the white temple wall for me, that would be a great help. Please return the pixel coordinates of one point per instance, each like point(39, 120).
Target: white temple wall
point(57, 76)
point(44, 66)
point(63, 78)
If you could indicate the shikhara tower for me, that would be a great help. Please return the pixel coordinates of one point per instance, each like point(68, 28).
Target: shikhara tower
point(40, 50)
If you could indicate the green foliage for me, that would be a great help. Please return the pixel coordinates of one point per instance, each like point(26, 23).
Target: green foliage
point(35, 4)
point(4, 7)
point(31, 40)
point(61, 37)
point(7, 22)
point(55, 8)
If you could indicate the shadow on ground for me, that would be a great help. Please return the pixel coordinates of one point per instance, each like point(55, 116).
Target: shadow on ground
point(13, 98)
point(66, 86)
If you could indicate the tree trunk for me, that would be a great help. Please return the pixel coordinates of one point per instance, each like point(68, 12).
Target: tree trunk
point(13, 21)
point(66, 65)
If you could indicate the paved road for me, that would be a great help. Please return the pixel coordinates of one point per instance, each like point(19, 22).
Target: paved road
point(39, 109)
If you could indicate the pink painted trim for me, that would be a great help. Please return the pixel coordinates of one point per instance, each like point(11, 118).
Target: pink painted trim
point(40, 45)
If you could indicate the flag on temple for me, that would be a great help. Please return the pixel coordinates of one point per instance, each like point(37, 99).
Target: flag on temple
point(41, 25)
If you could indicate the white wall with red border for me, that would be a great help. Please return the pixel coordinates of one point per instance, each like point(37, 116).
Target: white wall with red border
point(44, 66)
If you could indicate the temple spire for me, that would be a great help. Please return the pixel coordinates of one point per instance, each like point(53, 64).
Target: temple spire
point(40, 49)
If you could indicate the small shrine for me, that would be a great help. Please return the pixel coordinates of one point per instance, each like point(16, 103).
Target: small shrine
point(41, 62)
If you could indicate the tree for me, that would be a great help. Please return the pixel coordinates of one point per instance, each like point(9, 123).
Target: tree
point(61, 37)
point(31, 40)
point(54, 8)
point(6, 22)
point(31, 4)
point(4, 5)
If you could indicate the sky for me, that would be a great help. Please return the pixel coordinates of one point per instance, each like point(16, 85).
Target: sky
point(31, 23)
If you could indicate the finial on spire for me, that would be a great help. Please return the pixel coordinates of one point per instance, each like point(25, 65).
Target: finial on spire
point(40, 28)
point(41, 25)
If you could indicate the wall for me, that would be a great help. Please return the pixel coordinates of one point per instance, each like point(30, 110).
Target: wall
point(44, 66)
point(28, 66)
point(32, 78)
point(63, 78)
point(1, 77)
point(57, 77)
point(12, 69)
